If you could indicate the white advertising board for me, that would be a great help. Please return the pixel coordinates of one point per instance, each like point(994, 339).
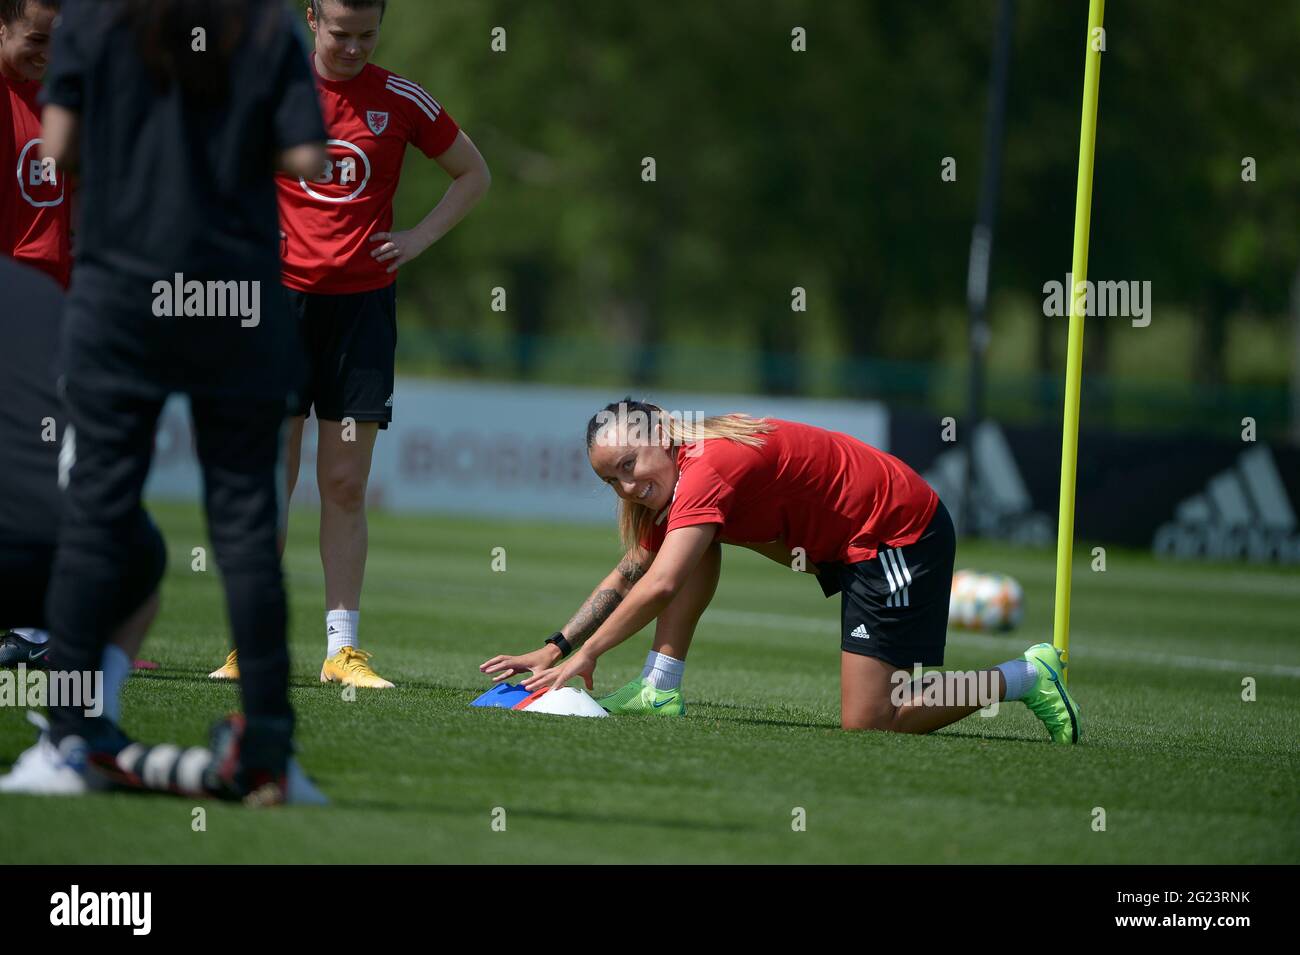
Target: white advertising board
point(498, 450)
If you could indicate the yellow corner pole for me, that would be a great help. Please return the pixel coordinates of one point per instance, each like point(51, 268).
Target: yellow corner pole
point(1074, 356)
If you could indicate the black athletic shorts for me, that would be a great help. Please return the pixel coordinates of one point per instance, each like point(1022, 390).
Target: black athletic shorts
point(895, 606)
point(351, 342)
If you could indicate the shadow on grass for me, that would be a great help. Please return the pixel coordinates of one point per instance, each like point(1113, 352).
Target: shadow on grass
point(200, 677)
point(950, 732)
point(546, 815)
point(944, 734)
point(758, 720)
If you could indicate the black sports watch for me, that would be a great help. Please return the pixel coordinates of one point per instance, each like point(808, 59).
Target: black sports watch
point(565, 647)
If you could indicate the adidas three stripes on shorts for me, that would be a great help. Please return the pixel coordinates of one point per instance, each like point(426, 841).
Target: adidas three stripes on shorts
point(895, 606)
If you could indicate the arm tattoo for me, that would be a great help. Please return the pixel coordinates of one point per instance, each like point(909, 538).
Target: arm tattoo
point(630, 570)
point(591, 615)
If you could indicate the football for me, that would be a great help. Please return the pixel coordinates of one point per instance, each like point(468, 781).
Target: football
point(985, 601)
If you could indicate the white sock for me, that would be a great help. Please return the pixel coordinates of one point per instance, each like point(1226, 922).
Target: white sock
point(1020, 676)
point(341, 629)
point(663, 672)
point(117, 667)
point(32, 636)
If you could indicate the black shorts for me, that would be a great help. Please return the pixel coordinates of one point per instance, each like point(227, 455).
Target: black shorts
point(350, 342)
point(895, 606)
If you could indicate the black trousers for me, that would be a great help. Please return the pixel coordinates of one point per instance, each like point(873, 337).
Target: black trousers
point(25, 576)
point(238, 443)
point(27, 567)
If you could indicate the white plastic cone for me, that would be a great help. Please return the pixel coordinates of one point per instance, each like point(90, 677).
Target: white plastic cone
point(566, 701)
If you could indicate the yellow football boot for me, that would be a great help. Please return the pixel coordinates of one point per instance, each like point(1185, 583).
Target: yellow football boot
point(228, 670)
point(351, 666)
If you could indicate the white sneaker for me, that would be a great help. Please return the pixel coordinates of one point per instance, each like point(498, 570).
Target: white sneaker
point(46, 769)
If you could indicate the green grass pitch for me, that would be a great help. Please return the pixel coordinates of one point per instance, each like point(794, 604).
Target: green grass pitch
point(1185, 770)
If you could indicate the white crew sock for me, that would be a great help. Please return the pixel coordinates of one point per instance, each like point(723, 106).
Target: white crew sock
point(341, 629)
point(117, 667)
point(32, 636)
point(1020, 676)
point(663, 672)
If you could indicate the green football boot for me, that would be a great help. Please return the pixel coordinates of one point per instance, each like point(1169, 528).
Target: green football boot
point(1050, 701)
point(640, 696)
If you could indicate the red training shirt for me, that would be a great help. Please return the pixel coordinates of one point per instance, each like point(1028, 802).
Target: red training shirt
point(328, 220)
point(827, 492)
point(37, 218)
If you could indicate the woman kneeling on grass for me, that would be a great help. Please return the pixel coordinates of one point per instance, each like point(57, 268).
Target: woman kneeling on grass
point(867, 525)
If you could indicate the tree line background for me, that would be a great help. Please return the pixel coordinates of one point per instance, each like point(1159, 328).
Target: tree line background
point(821, 170)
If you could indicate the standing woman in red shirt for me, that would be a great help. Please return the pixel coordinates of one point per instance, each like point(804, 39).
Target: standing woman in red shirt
point(340, 259)
point(865, 523)
point(35, 201)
